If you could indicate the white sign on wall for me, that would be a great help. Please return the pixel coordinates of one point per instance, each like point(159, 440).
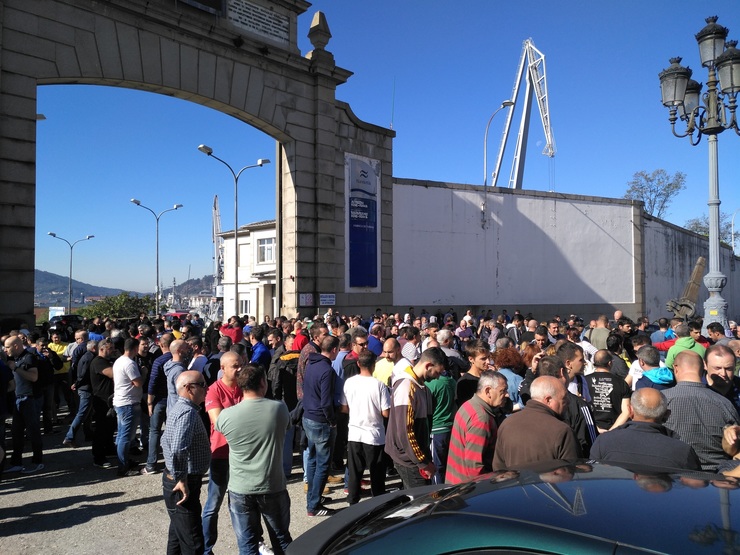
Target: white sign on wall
point(259, 20)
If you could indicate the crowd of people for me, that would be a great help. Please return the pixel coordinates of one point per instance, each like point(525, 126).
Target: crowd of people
point(428, 399)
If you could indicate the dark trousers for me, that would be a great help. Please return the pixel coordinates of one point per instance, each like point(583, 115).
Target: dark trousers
point(26, 418)
point(359, 457)
point(185, 535)
point(102, 443)
point(340, 443)
point(411, 477)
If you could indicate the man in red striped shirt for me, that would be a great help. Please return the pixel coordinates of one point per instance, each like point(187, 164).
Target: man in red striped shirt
point(474, 430)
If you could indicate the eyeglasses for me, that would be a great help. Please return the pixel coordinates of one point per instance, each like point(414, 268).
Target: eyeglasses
point(361, 344)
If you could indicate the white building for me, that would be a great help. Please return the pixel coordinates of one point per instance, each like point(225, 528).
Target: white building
point(256, 257)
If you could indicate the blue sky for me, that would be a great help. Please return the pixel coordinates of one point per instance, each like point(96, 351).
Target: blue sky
point(450, 64)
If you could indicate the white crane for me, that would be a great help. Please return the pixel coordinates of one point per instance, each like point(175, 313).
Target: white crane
point(534, 61)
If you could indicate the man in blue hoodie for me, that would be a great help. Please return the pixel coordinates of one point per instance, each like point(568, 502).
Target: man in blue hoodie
point(654, 375)
point(319, 421)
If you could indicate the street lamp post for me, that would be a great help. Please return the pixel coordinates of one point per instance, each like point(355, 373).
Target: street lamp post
point(484, 206)
point(732, 231)
point(260, 162)
point(71, 250)
point(137, 202)
point(708, 114)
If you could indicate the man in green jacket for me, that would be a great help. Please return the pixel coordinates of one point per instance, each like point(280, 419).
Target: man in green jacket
point(683, 343)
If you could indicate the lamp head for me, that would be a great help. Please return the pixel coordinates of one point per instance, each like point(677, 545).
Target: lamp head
point(177, 206)
point(205, 149)
point(89, 237)
point(507, 103)
point(263, 161)
point(136, 201)
point(52, 234)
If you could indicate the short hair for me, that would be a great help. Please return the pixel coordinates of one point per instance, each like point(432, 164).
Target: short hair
point(195, 341)
point(358, 331)
point(476, 347)
point(721, 350)
point(640, 408)
point(435, 355)
point(432, 326)
point(329, 343)
point(443, 336)
point(239, 348)
point(614, 342)
point(603, 318)
point(166, 340)
point(224, 343)
point(716, 327)
point(662, 323)
point(542, 387)
point(257, 333)
point(682, 330)
point(649, 355)
point(504, 343)
point(551, 366)
point(639, 340)
point(317, 329)
point(366, 359)
point(694, 325)
point(568, 350)
point(131, 344)
point(540, 330)
point(489, 378)
point(345, 341)
point(410, 332)
point(250, 377)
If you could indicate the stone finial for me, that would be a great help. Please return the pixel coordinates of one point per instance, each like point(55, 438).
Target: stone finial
point(319, 33)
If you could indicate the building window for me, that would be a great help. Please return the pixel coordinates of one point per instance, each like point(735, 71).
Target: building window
point(266, 250)
point(245, 306)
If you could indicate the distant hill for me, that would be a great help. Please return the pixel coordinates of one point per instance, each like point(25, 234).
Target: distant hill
point(192, 286)
point(53, 289)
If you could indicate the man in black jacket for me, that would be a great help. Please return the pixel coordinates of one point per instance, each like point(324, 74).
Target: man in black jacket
point(83, 387)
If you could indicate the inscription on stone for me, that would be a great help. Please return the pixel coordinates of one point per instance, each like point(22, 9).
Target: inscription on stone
point(259, 20)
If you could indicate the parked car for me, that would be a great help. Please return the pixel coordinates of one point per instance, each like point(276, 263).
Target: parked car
point(588, 508)
point(66, 325)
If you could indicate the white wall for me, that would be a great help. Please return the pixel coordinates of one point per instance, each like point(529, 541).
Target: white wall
point(671, 253)
point(538, 248)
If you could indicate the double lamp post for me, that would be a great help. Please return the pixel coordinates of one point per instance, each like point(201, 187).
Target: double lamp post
point(708, 114)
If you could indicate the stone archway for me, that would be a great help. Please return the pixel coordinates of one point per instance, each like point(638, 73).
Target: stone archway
point(246, 64)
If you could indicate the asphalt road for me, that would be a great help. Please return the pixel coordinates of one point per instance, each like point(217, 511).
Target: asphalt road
point(72, 507)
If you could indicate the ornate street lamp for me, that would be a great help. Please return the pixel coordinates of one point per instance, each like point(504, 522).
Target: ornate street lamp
point(71, 249)
point(709, 114)
point(207, 150)
point(137, 202)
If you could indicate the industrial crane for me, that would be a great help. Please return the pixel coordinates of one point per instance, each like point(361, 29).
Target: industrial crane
point(534, 62)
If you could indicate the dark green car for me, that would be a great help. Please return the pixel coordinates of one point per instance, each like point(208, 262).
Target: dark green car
point(587, 509)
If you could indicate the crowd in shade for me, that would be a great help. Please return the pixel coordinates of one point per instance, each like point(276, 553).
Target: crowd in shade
point(239, 408)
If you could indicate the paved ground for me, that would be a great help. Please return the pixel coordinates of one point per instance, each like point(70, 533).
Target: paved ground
point(72, 507)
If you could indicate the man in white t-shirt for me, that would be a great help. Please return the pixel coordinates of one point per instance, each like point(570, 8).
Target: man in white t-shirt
point(368, 401)
point(127, 392)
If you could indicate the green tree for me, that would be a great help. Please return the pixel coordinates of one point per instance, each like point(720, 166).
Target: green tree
point(700, 225)
point(123, 305)
point(656, 190)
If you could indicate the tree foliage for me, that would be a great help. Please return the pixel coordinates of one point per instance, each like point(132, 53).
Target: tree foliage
point(700, 225)
point(123, 305)
point(656, 190)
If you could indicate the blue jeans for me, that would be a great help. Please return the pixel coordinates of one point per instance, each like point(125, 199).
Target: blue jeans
point(320, 441)
point(440, 447)
point(128, 419)
point(245, 511)
point(156, 421)
point(82, 413)
point(217, 482)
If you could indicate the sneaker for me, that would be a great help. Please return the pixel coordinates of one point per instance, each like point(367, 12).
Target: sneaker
point(16, 468)
point(147, 471)
point(104, 464)
point(322, 511)
point(264, 550)
point(69, 443)
point(325, 499)
point(335, 480)
point(32, 469)
point(128, 473)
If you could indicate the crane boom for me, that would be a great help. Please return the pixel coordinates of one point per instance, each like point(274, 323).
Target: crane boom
point(536, 85)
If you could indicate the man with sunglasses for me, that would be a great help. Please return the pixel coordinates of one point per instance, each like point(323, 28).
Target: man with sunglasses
point(187, 456)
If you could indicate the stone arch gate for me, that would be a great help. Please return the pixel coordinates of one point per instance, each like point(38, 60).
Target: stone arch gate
point(236, 56)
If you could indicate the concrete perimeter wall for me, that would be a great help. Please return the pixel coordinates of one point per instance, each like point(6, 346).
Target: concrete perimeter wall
point(545, 253)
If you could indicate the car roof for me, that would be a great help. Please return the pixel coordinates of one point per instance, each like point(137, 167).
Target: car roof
point(585, 508)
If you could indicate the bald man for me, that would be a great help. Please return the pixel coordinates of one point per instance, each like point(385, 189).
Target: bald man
point(698, 415)
point(187, 455)
point(537, 433)
point(223, 393)
point(182, 353)
point(644, 440)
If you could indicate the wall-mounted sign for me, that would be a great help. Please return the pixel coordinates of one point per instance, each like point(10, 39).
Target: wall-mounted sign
point(305, 299)
point(362, 194)
point(259, 20)
point(327, 299)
